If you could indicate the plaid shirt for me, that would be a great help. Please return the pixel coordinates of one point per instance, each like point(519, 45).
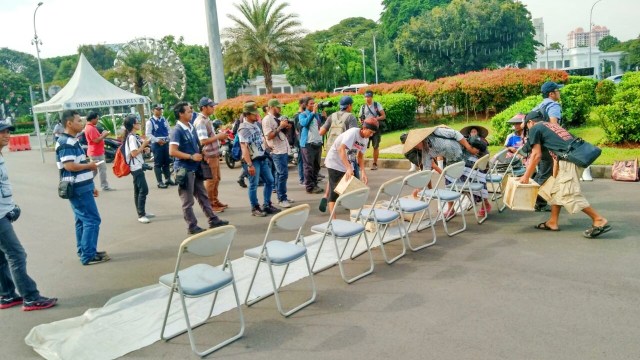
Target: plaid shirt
point(204, 129)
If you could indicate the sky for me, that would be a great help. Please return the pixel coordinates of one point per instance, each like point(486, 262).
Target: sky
point(63, 25)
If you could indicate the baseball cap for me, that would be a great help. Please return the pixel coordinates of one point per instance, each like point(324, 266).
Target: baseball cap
point(368, 93)
point(158, 106)
point(518, 119)
point(535, 116)
point(346, 101)
point(550, 86)
point(274, 103)
point(205, 101)
point(6, 125)
point(250, 107)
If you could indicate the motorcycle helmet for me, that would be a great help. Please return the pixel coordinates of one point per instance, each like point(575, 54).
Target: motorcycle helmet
point(216, 124)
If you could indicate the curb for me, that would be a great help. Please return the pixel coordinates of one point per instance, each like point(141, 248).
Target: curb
point(597, 171)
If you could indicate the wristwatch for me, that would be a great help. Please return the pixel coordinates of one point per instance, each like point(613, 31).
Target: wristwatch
point(190, 156)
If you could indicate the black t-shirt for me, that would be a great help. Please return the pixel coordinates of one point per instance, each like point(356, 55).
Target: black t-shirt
point(552, 137)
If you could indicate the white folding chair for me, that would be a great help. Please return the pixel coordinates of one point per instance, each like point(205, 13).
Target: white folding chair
point(202, 279)
point(472, 186)
point(343, 229)
point(495, 178)
point(419, 181)
point(381, 218)
point(278, 253)
point(449, 194)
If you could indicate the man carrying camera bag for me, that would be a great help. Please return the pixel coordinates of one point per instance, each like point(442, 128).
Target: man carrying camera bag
point(13, 259)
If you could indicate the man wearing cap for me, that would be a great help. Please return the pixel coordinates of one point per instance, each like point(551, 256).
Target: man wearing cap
point(13, 258)
point(275, 131)
point(552, 112)
point(209, 141)
point(185, 148)
point(74, 167)
point(337, 161)
point(311, 144)
point(373, 109)
point(95, 147)
point(255, 159)
point(551, 138)
point(157, 130)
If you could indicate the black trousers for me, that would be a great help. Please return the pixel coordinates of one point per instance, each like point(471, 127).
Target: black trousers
point(312, 154)
point(161, 161)
point(140, 191)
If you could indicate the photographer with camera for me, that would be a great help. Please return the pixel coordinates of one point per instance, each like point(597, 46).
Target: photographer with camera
point(311, 143)
point(13, 258)
point(373, 109)
point(133, 149)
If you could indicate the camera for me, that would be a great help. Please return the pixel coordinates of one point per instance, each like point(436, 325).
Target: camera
point(325, 104)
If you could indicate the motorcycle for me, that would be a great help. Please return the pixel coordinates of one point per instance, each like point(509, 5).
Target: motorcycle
point(225, 149)
point(293, 155)
point(110, 146)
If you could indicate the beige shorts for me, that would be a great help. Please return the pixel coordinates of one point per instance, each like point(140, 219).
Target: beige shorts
point(566, 190)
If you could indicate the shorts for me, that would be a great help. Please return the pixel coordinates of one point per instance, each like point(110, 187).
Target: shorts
point(566, 189)
point(375, 140)
point(334, 178)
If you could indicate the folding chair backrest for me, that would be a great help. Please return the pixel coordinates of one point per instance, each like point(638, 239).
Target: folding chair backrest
point(353, 200)
point(291, 219)
point(418, 180)
point(210, 242)
point(481, 164)
point(454, 171)
point(392, 187)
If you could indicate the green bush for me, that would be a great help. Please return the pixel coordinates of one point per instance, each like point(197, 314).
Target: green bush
point(499, 122)
point(630, 80)
point(604, 92)
point(576, 100)
point(399, 108)
point(620, 120)
point(573, 79)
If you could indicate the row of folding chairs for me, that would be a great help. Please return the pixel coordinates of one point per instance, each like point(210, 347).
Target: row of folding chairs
point(388, 208)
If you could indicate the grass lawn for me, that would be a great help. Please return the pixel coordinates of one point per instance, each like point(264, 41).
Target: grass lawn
point(592, 134)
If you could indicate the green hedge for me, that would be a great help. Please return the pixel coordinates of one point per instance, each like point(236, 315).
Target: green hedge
point(499, 122)
point(399, 108)
point(621, 119)
point(576, 100)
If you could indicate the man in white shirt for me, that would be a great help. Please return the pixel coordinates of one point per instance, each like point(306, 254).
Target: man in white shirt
point(274, 128)
point(337, 161)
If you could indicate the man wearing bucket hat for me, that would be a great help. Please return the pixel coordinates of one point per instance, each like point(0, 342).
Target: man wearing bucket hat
point(546, 137)
point(515, 140)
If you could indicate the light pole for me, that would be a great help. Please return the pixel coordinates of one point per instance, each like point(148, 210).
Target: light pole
point(591, 29)
point(215, 51)
point(364, 69)
point(37, 42)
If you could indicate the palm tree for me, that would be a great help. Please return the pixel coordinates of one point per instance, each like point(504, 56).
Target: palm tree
point(265, 37)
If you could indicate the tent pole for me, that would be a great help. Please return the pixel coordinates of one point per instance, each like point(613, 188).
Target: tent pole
point(36, 125)
point(113, 121)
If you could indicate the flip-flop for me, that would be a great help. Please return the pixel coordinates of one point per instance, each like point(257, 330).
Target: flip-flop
point(596, 231)
point(544, 226)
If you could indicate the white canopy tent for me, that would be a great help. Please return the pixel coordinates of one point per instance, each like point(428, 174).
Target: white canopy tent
point(87, 89)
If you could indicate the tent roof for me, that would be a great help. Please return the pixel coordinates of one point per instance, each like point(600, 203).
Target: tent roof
point(87, 90)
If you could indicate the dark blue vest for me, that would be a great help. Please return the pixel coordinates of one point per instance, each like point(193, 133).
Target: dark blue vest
point(159, 128)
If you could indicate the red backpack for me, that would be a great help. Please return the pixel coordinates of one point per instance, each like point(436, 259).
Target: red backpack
point(120, 166)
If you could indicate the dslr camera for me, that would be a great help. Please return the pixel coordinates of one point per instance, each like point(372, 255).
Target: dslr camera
point(325, 104)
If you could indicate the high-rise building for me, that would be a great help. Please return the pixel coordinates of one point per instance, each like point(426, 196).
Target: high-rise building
point(581, 38)
point(538, 25)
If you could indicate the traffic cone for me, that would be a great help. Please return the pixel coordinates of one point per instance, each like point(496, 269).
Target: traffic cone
point(586, 174)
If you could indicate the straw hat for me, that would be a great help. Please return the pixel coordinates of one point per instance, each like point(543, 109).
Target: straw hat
point(482, 131)
point(415, 137)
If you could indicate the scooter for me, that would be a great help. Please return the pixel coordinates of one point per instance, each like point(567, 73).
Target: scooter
point(225, 149)
point(110, 146)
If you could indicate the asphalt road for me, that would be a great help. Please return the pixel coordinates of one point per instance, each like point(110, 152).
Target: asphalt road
point(500, 290)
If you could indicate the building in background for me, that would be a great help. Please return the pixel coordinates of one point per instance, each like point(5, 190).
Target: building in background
point(578, 58)
point(280, 86)
point(538, 25)
point(581, 38)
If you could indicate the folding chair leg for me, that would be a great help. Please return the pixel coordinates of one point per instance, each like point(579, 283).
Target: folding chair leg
point(464, 221)
point(277, 289)
point(402, 239)
point(340, 265)
point(433, 233)
point(253, 278)
point(318, 255)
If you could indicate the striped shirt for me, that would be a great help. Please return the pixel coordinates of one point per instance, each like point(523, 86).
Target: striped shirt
point(68, 149)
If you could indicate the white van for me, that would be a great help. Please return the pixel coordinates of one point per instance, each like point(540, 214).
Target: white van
point(350, 89)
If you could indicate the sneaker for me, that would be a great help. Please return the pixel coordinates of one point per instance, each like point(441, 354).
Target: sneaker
point(217, 223)
point(302, 182)
point(219, 204)
point(217, 209)
point(101, 253)
point(8, 302)
point(284, 204)
point(40, 303)
point(108, 188)
point(150, 215)
point(315, 190)
point(242, 183)
point(256, 211)
point(323, 205)
point(195, 230)
point(97, 259)
point(374, 167)
point(270, 209)
point(144, 220)
point(162, 186)
point(290, 200)
point(170, 183)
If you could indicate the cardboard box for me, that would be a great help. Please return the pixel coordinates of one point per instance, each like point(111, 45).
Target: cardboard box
point(519, 196)
point(345, 186)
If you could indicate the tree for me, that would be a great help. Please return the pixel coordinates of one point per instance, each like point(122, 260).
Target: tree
point(631, 59)
point(608, 42)
point(468, 35)
point(26, 64)
point(264, 38)
point(397, 13)
point(14, 92)
point(101, 57)
point(556, 46)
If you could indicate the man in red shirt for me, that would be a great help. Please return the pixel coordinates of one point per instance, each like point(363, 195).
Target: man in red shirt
point(95, 151)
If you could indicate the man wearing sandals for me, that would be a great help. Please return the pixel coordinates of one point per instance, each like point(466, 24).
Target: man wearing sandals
point(566, 192)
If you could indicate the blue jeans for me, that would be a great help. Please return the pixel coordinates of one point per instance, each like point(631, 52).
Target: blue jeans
point(281, 162)
point(13, 265)
point(300, 166)
point(87, 223)
point(263, 169)
point(356, 168)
